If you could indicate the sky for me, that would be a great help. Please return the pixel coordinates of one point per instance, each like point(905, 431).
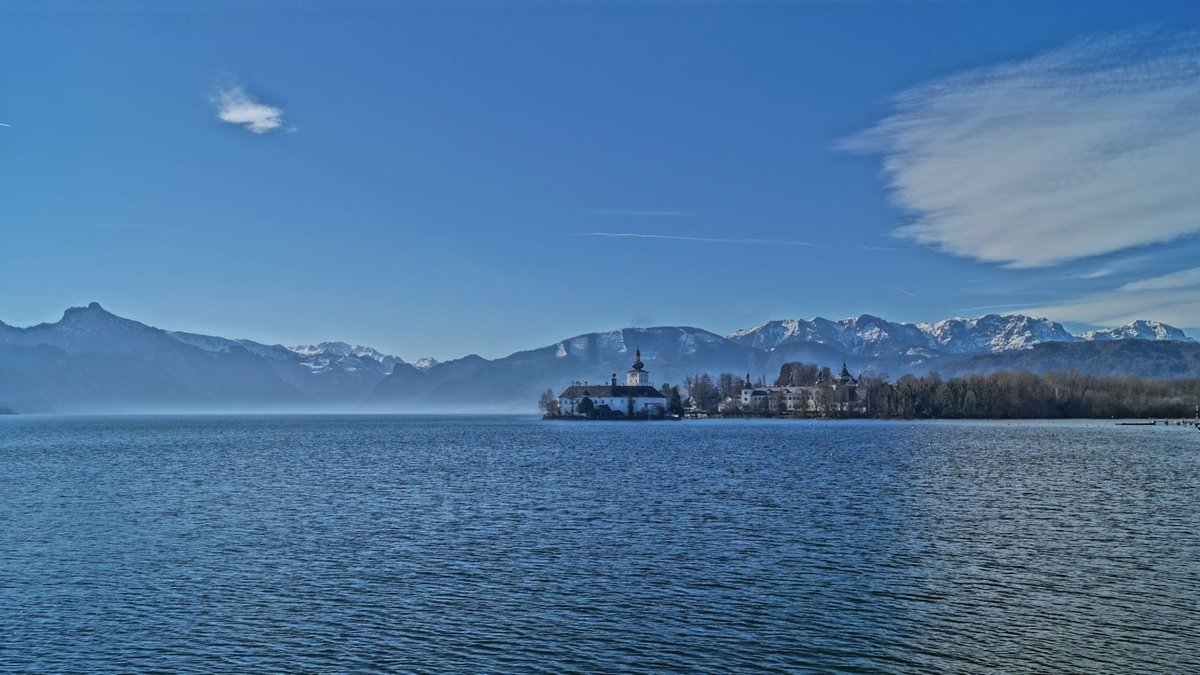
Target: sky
point(444, 178)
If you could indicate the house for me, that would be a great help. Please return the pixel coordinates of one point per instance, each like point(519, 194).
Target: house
point(635, 398)
point(756, 396)
point(779, 399)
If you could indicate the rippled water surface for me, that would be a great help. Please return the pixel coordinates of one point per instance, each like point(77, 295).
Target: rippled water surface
point(504, 543)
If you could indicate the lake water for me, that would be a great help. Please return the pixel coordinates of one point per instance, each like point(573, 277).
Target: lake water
point(469, 544)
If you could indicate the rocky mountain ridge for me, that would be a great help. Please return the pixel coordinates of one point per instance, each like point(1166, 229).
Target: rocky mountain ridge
point(986, 334)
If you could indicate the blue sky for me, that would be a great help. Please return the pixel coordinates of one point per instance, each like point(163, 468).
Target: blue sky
point(446, 178)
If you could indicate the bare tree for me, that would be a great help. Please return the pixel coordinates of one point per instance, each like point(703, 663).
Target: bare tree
point(549, 403)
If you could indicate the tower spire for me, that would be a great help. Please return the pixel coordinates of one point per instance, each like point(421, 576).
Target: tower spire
point(637, 375)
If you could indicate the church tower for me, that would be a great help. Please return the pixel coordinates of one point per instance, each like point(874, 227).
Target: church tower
point(637, 375)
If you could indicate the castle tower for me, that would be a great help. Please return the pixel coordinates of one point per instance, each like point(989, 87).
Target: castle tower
point(637, 376)
point(844, 377)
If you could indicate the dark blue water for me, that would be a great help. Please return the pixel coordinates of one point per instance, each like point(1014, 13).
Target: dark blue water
point(204, 544)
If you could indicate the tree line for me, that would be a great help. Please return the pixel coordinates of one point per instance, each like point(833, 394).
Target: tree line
point(999, 395)
point(1025, 395)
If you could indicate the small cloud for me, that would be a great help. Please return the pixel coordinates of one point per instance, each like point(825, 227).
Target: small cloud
point(235, 106)
point(715, 240)
point(1081, 151)
point(635, 213)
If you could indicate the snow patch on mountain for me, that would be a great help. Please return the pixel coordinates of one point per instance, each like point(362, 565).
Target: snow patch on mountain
point(611, 341)
point(425, 363)
point(210, 343)
point(577, 345)
point(692, 341)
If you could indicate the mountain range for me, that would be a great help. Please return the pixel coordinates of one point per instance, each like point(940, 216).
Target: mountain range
point(95, 361)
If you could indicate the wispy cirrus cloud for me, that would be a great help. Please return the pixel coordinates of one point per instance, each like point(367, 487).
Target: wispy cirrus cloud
point(714, 240)
point(1084, 150)
point(906, 292)
point(1188, 278)
point(981, 308)
point(1173, 298)
point(635, 213)
point(235, 106)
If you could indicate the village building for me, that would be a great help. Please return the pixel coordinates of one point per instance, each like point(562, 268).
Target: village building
point(839, 394)
point(636, 398)
point(779, 399)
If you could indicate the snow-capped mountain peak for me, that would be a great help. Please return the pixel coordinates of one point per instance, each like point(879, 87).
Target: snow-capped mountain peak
point(319, 358)
point(425, 363)
point(867, 335)
point(343, 349)
point(993, 333)
point(1138, 330)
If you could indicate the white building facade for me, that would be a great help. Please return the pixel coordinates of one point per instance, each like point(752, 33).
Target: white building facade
point(636, 398)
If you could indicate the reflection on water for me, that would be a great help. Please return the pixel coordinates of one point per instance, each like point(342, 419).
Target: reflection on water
point(467, 544)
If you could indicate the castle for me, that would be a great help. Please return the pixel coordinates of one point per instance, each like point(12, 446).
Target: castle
point(636, 398)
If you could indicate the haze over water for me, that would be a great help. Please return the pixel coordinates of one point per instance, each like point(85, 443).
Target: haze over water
point(317, 543)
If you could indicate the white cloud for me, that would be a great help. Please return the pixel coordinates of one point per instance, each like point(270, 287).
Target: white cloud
point(1084, 150)
point(235, 106)
point(1173, 298)
point(1181, 279)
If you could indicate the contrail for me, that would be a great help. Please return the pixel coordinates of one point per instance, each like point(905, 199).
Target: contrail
point(716, 240)
point(2, 124)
